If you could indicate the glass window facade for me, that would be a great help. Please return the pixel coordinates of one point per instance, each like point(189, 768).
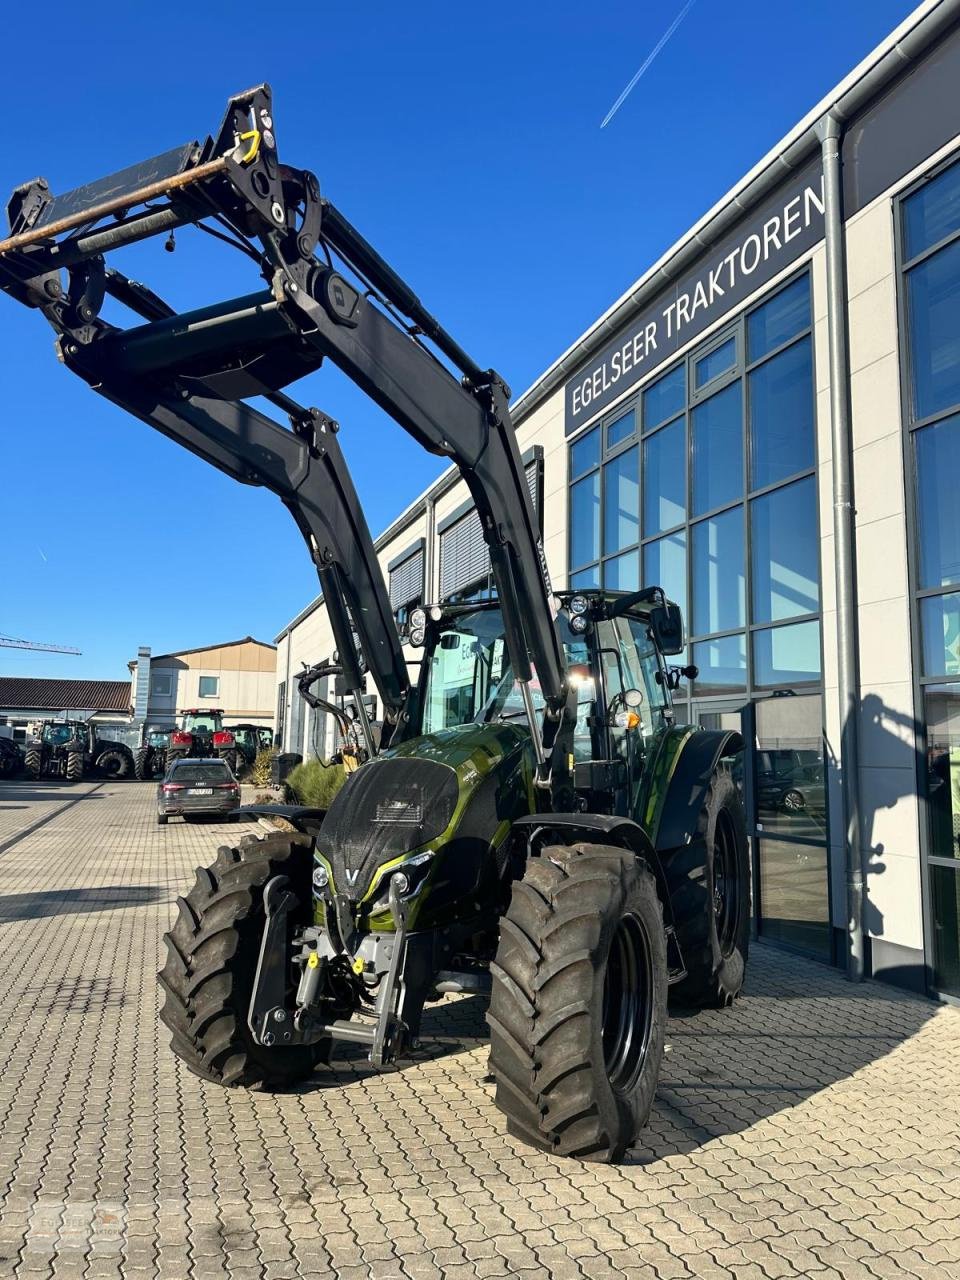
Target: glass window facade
point(929, 227)
point(716, 502)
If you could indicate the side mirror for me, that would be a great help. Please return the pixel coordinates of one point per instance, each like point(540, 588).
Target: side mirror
point(450, 640)
point(666, 625)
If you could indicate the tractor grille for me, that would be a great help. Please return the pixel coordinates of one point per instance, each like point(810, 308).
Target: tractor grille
point(383, 810)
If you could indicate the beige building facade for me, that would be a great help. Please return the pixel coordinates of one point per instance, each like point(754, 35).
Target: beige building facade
point(239, 677)
point(688, 439)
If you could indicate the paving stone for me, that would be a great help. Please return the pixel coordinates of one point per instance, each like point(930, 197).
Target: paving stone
point(811, 1131)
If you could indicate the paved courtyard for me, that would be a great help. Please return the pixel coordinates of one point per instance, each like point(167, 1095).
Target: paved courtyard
point(813, 1131)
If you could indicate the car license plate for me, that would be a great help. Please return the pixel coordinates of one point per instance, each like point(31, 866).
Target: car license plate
point(200, 791)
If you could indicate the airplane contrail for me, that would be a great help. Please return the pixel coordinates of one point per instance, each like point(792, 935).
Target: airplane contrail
point(647, 60)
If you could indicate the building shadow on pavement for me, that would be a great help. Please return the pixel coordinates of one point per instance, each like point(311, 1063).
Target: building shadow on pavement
point(21, 791)
point(798, 1029)
point(66, 902)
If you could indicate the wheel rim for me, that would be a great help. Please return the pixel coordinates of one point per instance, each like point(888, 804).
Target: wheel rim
point(627, 1003)
point(726, 885)
point(793, 801)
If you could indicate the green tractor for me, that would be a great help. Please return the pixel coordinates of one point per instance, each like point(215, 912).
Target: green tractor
point(150, 758)
point(529, 821)
point(250, 740)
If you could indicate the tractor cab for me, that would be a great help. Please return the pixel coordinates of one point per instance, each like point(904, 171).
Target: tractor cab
point(201, 722)
point(58, 734)
point(615, 649)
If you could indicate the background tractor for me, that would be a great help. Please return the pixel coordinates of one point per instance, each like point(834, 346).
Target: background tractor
point(72, 749)
point(200, 732)
point(250, 739)
point(530, 821)
point(11, 757)
point(150, 758)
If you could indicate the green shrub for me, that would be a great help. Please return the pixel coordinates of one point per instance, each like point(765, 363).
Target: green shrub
point(262, 767)
point(315, 783)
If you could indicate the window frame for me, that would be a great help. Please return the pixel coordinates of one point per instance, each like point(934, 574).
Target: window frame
point(910, 425)
point(216, 691)
point(158, 693)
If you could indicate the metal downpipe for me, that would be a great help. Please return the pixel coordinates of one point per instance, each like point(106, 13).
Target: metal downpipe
point(844, 532)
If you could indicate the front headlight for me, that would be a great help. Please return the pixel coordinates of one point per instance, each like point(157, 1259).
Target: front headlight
point(408, 876)
point(321, 877)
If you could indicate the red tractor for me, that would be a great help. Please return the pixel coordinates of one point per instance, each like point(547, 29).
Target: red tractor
point(200, 733)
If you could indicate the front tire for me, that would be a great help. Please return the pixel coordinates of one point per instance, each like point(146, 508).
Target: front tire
point(74, 766)
point(212, 954)
point(578, 1009)
point(32, 764)
point(141, 765)
point(712, 908)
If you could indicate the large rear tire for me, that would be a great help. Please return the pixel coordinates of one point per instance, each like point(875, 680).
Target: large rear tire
point(230, 759)
point(212, 954)
point(712, 908)
point(578, 1009)
point(32, 763)
point(74, 766)
point(113, 763)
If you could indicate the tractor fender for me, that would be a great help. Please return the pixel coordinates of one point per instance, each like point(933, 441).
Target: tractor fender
point(697, 763)
point(528, 832)
point(302, 817)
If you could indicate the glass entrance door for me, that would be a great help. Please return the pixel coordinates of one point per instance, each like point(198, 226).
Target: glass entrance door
point(787, 816)
point(942, 706)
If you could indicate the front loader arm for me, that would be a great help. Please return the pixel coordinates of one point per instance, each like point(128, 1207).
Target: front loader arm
point(305, 467)
point(188, 375)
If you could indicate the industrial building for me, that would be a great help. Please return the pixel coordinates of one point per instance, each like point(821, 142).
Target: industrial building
point(238, 676)
point(767, 424)
point(24, 700)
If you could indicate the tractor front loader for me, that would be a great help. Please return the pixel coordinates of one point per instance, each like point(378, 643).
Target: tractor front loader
point(532, 822)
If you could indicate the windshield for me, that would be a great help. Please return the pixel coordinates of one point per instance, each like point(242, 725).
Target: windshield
point(204, 723)
point(58, 733)
point(470, 678)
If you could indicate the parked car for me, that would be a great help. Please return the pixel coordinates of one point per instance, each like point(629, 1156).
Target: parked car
point(791, 782)
point(196, 786)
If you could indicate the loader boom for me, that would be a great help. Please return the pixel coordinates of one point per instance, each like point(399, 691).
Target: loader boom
point(189, 375)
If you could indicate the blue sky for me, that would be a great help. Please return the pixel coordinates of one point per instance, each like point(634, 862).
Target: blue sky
point(464, 141)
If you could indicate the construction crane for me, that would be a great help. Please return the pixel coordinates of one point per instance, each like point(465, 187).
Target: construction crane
point(9, 642)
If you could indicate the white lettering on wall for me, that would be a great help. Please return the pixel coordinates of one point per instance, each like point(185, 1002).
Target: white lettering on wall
point(717, 279)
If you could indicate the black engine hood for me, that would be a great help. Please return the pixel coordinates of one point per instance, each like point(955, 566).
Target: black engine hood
point(387, 808)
